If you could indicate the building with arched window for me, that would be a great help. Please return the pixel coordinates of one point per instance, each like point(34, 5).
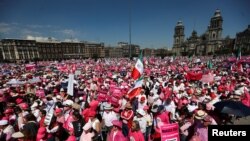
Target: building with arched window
point(205, 44)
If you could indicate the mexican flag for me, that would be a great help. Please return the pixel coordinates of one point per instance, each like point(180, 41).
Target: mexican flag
point(138, 69)
point(136, 89)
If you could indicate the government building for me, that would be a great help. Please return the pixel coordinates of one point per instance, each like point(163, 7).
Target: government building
point(16, 49)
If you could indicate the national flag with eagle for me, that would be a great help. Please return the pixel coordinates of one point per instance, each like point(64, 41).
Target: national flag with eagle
point(136, 90)
point(138, 69)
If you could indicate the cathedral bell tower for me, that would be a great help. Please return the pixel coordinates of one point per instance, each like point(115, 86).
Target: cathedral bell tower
point(215, 28)
point(179, 34)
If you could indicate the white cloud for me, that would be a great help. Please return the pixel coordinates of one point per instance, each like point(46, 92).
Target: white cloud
point(71, 40)
point(38, 26)
point(5, 28)
point(26, 32)
point(40, 38)
point(67, 32)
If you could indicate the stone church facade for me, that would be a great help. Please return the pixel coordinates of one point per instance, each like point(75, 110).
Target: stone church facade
point(205, 44)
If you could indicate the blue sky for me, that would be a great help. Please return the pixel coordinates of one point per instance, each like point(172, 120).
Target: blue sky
point(152, 21)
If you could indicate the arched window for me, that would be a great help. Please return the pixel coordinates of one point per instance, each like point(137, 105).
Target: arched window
point(177, 40)
point(214, 36)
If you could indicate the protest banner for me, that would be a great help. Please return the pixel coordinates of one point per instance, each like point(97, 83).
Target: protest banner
point(170, 132)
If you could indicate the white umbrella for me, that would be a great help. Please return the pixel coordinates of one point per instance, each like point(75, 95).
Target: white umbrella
point(15, 82)
point(34, 80)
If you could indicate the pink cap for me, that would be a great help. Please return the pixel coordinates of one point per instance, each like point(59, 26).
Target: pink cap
point(24, 106)
point(19, 100)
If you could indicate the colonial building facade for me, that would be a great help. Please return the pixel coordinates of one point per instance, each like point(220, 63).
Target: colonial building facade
point(15, 49)
point(243, 41)
point(208, 43)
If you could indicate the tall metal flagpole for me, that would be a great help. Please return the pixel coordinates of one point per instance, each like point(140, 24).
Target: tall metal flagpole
point(129, 29)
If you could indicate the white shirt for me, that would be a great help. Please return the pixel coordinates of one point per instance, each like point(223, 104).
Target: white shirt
point(94, 123)
point(143, 123)
point(171, 108)
point(108, 118)
point(149, 119)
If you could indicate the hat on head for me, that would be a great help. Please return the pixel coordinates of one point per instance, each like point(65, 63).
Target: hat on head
point(17, 135)
point(68, 102)
point(9, 111)
point(200, 114)
point(24, 106)
point(62, 90)
point(49, 95)
point(108, 107)
point(3, 122)
point(19, 100)
point(76, 106)
point(117, 123)
point(141, 112)
point(59, 97)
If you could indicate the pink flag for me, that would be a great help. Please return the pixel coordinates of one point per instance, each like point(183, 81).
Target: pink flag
point(29, 67)
point(207, 78)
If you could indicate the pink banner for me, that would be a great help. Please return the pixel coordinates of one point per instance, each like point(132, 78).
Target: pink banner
point(170, 132)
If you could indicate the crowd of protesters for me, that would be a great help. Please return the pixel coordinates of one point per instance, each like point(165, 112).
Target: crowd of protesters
point(173, 91)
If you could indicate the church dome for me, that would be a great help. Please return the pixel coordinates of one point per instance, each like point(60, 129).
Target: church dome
point(179, 23)
point(217, 13)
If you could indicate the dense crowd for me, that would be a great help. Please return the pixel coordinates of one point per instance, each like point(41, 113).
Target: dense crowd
point(35, 104)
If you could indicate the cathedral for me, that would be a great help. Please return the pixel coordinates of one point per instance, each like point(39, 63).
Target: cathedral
point(206, 44)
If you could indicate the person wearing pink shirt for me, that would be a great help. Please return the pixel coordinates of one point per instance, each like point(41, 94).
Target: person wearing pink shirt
point(135, 133)
point(116, 132)
point(59, 116)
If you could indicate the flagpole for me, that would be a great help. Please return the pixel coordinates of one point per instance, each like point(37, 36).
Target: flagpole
point(130, 29)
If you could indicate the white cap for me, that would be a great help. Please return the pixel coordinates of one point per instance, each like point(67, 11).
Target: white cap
point(17, 135)
point(61, 90)
point(59, 97)
point(141, 112)
point(68, 102)
point(3, 122)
